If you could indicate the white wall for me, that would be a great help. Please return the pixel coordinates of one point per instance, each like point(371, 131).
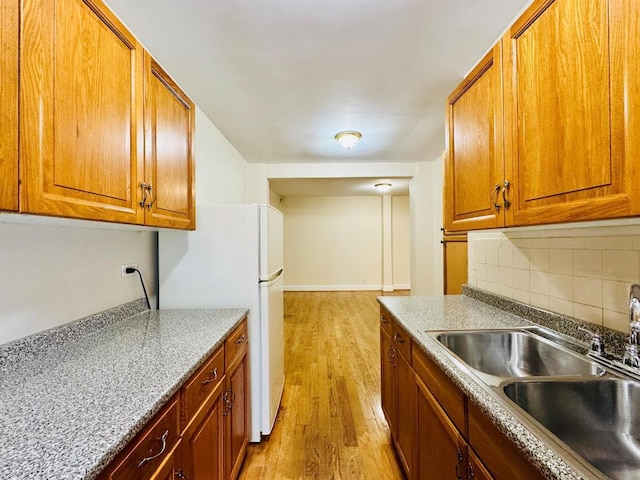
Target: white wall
point(332, 243)
point(336, 243)
point(426, 219)
point(401, 242)
point(583, 271)
point(221, 172)
point(53, 274)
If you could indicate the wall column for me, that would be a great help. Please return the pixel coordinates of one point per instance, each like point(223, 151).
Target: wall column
point(387, 247)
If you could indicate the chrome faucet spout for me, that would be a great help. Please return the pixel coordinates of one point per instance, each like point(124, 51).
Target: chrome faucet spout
point(632, 355)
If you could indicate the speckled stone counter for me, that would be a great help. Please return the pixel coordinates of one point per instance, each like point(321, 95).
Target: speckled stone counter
point(71, 407)
point(420, 314)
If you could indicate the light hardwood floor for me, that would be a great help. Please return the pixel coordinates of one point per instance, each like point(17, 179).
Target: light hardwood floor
point(330, 424)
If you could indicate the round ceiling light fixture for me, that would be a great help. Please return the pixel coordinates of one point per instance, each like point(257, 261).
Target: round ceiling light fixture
point(348, 139)
point(383, 187)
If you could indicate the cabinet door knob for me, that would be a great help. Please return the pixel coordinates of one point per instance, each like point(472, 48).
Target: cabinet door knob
point(241, 339)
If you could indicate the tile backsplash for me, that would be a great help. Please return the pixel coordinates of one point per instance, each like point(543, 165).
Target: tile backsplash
point(583, 272)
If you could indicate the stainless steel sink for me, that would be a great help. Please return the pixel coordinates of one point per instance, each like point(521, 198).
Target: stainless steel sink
point(598, 419)
point(516, 353)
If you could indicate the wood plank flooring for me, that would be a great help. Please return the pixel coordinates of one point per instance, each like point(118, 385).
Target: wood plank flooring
point(330, 424)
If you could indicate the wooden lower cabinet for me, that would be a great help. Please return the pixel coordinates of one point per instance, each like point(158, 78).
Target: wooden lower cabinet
point(203, 451)
point(398, 392)
point(236, 402)
point(203, 431)
point(500, 456)
point(437, 433)
point(442, 451)
point(170, 470)
point(475, 469)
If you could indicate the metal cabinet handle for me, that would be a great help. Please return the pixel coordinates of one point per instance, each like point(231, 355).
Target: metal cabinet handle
point(398, 338)
point(460, 458)
point(242, 339)
point(155, 196)
point(143, 203)
point(494, 197)
point(472, 474)
point(383, 320)
point(505, 200)
point(391, 353)
point(180, 474)
point(163, 439)
point(208, 380)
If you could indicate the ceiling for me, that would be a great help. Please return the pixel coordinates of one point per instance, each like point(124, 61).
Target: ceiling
point(280, 78)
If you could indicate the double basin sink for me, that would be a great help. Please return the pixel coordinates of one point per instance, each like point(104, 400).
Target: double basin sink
point(589, 410)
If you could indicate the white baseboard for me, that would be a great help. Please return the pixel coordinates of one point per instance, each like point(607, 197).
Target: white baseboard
point(402, 286)
point(330, 288)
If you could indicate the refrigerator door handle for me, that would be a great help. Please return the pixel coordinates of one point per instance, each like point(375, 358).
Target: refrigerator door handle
point(272, 277)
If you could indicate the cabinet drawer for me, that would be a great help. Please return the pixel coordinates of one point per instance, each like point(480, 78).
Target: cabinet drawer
point(401, 341)
point(501, 457)
point(385, 320)
point(236, 344)
point(448, 395)
point(199, 388)
point(150, 448)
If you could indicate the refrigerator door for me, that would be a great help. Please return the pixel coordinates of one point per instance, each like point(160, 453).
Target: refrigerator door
point(271, 241)
point(272, 332)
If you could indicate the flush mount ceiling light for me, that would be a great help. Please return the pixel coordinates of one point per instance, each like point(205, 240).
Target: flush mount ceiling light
point(383, 187)
point(348, 139)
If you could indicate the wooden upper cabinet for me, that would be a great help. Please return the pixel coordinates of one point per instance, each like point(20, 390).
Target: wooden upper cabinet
point(9, 28)
point(455, 257)
point(474, 159)
point(81, 112)
point(169, 167)
point(569, 98)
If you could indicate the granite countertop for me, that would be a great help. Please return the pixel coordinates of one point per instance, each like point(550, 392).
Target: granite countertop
point(71, 407)
point(459, 312)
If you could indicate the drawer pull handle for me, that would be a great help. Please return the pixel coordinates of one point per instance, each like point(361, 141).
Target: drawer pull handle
point(180, 474)
point(242, 339)
point(163, 439)
point(208, 380)
point(398, 338)
point(383, 320)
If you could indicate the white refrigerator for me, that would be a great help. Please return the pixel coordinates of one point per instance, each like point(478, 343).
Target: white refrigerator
point(234, 258)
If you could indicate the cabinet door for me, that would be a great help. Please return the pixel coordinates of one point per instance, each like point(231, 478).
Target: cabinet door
point(475, 469)
point(565, 114)
point(169, 171)
point(407, 405)
point(455, 264)
point(474, 164)
point(388, 361)
point(9, 22)
point(169, 470)
point(237, 420)
point(81, 150)
point(203, 450)
point(441, 450)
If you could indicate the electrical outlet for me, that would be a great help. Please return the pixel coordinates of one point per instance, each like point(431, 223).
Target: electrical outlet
point(123, 269)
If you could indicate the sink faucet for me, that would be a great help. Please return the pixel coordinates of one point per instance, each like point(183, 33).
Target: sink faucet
point(632, 355)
